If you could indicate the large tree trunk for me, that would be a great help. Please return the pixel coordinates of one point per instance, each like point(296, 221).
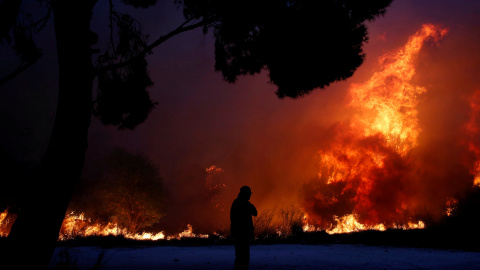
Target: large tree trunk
point(33, 237)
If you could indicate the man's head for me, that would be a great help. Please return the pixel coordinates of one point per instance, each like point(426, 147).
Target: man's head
point(245, 192)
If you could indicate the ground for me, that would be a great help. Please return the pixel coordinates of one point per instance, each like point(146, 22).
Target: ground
point(280, 256)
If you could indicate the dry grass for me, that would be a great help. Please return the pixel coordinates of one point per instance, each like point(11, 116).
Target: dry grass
point(280, 222)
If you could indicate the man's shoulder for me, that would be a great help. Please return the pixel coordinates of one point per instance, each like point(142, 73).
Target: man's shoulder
point(237, 201)
point(240, 202)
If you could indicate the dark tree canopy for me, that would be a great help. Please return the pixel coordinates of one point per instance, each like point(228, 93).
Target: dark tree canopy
point(140, 3)
point(123, 99)
point(303, 44)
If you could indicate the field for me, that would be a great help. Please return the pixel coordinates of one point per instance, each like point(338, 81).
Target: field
point(414, 249)
point(278, 256)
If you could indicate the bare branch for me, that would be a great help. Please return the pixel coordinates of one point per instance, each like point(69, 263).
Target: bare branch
point(110, 16)
point(22, 67)
point(184, 27)
point(33, 27)
point(9, 10)
point(40, 24)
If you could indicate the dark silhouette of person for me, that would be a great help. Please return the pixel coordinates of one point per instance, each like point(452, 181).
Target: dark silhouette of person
point(241, 227)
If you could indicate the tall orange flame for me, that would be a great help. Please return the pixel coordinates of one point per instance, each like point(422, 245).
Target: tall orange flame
point(387, 102)
point(368, 155)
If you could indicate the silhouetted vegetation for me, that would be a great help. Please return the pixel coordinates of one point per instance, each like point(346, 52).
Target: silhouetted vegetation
point(302, 44)
point(14, 173)
point(466, 213)
point(414, 238)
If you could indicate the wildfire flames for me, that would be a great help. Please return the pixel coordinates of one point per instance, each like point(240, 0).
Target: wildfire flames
point(370, 168)
point(361, 169)
point(6, 222)
point(75, 225)
point(473, 133)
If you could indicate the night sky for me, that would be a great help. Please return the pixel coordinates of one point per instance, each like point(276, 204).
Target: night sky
point(243, 128)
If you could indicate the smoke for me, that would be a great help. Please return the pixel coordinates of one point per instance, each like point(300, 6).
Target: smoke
point(276, 146)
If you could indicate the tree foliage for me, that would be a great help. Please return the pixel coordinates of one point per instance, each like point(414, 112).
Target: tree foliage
point(133, 190)
point(17, 28)
point(303, 44)
point(122, 99)
point(128, 190)
point(465, 213)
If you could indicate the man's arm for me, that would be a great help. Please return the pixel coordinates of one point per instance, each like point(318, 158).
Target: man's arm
point(254, 210)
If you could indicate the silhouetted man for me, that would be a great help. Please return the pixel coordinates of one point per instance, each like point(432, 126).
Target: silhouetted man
point(241, 226)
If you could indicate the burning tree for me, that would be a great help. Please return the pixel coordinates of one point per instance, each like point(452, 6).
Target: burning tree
point(133, 190)
point(128, 192)
point(215, 187)
point(197, 198)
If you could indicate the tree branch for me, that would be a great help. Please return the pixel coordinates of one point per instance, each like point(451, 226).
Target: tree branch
point(184, 27)
point(9, 10)
point(40, 24)
point(110, 17)
point(22, 67)
point(7, 23)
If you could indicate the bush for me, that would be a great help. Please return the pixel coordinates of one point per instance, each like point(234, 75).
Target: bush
point(282, 223)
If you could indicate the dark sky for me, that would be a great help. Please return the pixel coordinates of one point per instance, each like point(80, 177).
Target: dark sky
point(243, 128)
